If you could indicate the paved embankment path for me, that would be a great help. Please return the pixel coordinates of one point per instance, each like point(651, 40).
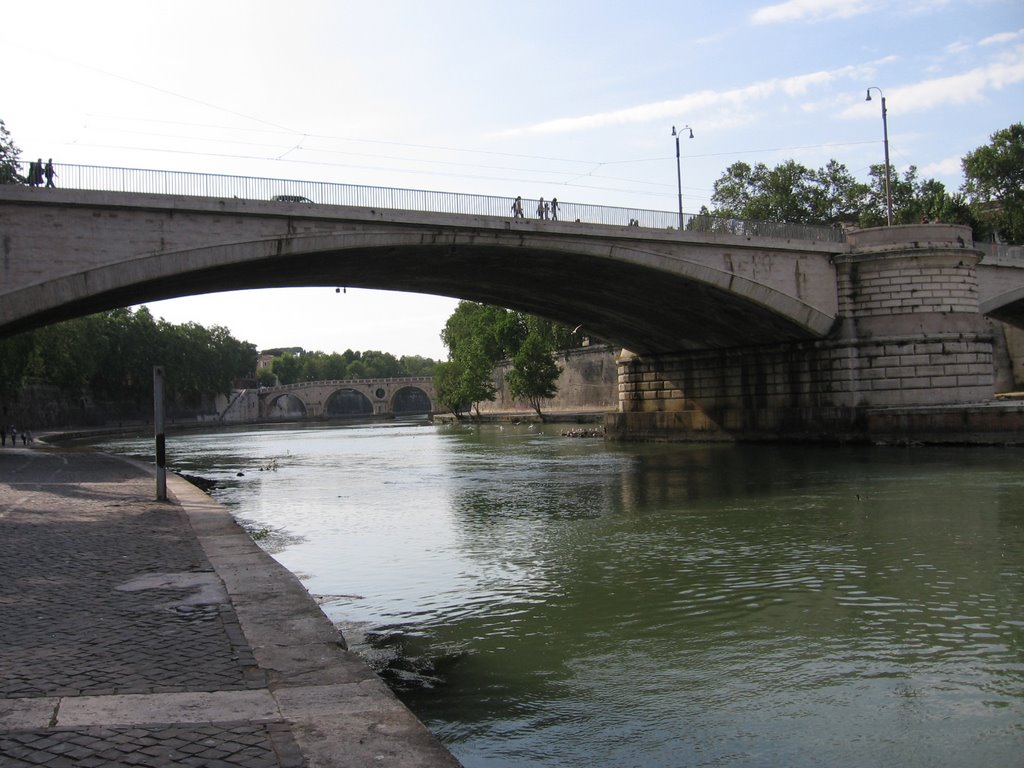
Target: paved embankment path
point(143, 633)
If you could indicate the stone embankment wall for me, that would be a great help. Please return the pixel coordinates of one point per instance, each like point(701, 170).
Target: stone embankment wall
point(588, 384)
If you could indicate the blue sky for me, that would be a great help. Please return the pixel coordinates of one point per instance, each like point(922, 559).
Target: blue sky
point(568, 99)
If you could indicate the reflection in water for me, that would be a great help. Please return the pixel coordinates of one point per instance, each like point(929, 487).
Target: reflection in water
point(546, 601)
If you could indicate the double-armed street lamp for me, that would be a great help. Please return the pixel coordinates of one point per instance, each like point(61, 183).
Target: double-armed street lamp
point(885, 140)
point(679, 172)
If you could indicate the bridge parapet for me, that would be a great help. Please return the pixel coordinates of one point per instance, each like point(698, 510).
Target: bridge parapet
point(305, 193)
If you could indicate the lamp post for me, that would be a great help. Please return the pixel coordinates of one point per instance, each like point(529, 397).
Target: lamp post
point(679, 172)
point(885, 141)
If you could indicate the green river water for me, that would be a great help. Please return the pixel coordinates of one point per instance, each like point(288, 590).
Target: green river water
point(540, 600)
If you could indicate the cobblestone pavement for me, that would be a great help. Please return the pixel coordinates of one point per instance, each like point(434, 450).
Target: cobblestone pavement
point(121, 642)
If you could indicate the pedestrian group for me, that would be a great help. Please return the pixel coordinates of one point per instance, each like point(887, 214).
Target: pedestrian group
point(544, 210)
point(38, 171)
point(26, 436)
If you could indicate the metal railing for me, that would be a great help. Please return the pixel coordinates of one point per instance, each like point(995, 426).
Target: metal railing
point(995, 253)
point(100, 178)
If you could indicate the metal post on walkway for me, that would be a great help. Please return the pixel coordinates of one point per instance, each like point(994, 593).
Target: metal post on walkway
point(158, 424)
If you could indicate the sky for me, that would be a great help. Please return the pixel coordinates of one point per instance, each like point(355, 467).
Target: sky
point(566, 99)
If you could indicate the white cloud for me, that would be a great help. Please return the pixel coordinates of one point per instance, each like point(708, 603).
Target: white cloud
point(811, 10)
point(968, 87)
point(1002, 37)
point(949, 166)
point(726, 105)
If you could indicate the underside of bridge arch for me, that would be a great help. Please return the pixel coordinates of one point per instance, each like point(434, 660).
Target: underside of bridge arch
point(646, 302)
point(347, 402)
point(286, 406)
point(1007, 308)
point(410, 400)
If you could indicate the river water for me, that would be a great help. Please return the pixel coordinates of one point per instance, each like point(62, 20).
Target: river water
point(541, 600)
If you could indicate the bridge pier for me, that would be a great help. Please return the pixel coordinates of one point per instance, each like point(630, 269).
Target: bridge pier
point(909, 338)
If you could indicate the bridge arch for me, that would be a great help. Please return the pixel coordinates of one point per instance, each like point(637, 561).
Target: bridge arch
point(646, 289)
point(347, 401)
point(286, 406)
point(410, 400)
point(1007, 307)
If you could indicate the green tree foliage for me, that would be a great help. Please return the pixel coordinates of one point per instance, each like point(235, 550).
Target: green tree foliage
point(995, 183)
point(534, 373)
point(913, 200)
point(10, 157)
point(111, 355)
point(793, 193)
point(788, 192)
point(291, 367)
point(478, 336)
point(448, 387)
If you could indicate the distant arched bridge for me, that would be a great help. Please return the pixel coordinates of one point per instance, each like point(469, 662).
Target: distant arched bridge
point(347, 398)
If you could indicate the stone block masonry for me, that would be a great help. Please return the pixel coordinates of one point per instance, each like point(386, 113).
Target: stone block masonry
point(909, 335)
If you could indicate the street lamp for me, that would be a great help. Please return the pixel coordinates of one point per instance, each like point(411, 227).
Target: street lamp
point(679, 173)
point(885, 138)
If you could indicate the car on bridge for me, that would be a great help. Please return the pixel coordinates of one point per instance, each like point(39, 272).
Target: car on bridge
point(290, 199)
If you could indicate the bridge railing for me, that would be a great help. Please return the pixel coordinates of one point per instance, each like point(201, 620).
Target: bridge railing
point(101, 178)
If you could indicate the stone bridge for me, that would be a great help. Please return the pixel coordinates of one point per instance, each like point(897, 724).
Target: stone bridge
point(67, 253)
point(343, 398)
point(752, 332)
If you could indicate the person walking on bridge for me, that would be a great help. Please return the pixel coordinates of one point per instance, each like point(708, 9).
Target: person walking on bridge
point(517, 207)
point(49, 172)
point(554, 209)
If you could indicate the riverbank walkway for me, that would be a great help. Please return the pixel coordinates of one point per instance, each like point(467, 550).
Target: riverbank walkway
point(143, 633)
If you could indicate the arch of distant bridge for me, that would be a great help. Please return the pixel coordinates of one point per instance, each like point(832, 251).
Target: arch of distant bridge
point(380, 394)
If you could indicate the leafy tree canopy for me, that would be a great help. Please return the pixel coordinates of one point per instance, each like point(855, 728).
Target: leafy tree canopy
point(296, 365)
point(994, 183)
point(534, 373)
point(478, 336)
point(112, 355)
point(791, 192)
point(10, 157)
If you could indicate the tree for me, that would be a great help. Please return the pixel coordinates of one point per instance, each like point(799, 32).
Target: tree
point(415, 365)
point(995, 182)
point(477, 337)
point(10, 158)
point(447, 385)
point(534, 373)
point(286, 368)
point(789, 192)
point(110, 355)
point(831, 195)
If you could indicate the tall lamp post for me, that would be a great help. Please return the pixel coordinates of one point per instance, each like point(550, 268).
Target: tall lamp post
point(679, 172)
point(885, 140)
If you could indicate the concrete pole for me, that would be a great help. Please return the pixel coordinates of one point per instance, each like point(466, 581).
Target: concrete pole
point(158, 426)
point(679, 179)
point(885, 141)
